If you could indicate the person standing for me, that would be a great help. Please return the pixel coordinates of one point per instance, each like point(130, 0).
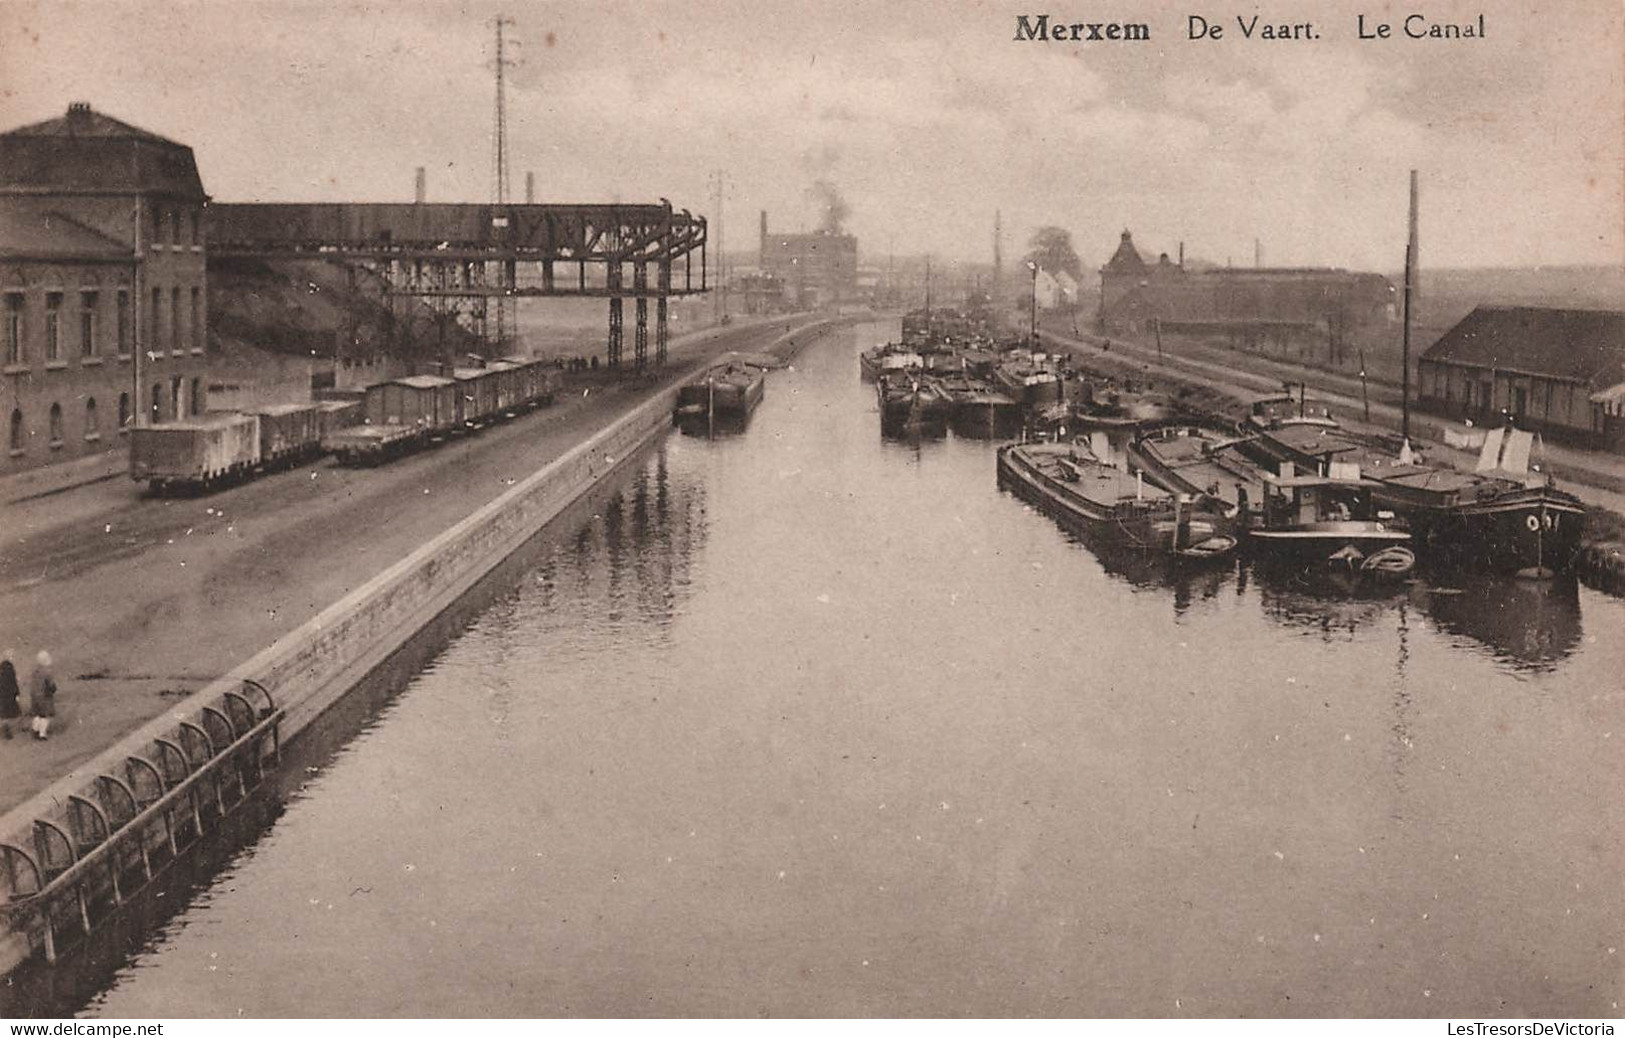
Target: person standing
point(42, 695)
point(9, 692)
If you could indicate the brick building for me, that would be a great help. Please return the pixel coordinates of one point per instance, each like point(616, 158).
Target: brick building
point(818, 269)
point(1300, 311)
point(103, 293)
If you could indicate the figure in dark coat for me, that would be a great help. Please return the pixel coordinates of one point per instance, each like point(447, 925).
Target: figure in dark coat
point(9, 693)
point(42, 695)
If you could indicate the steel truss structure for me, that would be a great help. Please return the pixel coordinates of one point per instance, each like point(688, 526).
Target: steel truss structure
point(467, 255)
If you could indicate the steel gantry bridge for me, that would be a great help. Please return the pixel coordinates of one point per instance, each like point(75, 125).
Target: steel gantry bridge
point(467, 255)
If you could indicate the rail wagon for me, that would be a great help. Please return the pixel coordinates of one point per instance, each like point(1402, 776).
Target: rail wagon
point(425, 403)
point(333, 415)
point(289, 433)
point(200, 452)
point(510, 384)
point(477, 395)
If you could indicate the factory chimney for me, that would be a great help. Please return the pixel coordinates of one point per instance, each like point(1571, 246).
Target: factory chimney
point(764, 237)
point(1181, 255)
point(530, 188)
point(422, 186)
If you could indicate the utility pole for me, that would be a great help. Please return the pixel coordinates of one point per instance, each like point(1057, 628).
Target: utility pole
point(718, 191)
point(499, 164)
point(1405, 345)
point(998, 260)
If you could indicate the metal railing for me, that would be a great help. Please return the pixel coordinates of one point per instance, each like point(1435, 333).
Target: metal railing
point(114, 841)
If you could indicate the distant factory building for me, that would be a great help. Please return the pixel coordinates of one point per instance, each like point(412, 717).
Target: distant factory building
point(1299, 311)
point(817, 269)
point(1556, 371)
point(103, 294)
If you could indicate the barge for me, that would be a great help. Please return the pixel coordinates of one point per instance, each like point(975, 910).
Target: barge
point(1098, 500)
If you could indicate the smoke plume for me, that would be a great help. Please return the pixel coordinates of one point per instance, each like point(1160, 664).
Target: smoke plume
point(832, 208)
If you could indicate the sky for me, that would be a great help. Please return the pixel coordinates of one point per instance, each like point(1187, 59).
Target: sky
point(927, 117)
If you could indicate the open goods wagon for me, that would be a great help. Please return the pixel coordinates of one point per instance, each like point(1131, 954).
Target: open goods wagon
point(201, 452)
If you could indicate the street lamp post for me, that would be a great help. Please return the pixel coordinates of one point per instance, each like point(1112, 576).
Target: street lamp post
point(1032, 318)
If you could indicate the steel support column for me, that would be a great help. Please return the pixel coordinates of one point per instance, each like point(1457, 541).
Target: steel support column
point(613, 281)
point(660, 313)
point(640, 334)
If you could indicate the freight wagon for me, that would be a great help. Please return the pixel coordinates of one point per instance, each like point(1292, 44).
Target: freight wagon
point(477, 396)
point(202, 452)
point(289, 433)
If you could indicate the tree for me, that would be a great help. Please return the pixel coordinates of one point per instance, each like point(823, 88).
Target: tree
point(1051, 248)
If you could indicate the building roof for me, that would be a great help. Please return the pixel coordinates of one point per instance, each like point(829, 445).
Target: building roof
point(1579, 345)
point(51, 236)
point(84, 121)
point(1127, 259)
point(86, 152)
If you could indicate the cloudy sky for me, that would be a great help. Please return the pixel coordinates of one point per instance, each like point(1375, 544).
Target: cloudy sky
point(927, 116)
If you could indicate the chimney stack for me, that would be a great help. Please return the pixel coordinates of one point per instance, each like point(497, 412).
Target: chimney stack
point(1181, 255)
point(530, 188)
point(422, 186)
point(764, 235)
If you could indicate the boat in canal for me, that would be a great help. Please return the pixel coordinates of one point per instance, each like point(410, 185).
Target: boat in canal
point(1028, 378)
point(1329, 522)
point(1123, 408)
point(977, 409)
point(888, 358)
point(1197, 459)
point(728, 391)
point(911, 400)
point(1084, 494)
point(1500, 518)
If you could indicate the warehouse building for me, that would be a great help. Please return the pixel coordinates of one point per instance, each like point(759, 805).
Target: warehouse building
point(1560, 372)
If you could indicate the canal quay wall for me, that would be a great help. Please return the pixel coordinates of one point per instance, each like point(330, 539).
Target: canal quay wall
point(318, 664)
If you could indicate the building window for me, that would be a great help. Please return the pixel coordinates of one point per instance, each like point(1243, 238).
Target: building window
point(157, 402)
point(123, 411)
point(157, 224)
point(123, 323)
point(175, 397)
point(56, 425)
point(197, 318)
point(92, 424)
point(175, 226)
point(174, 319)
point(53, 327)
point(195, 238)
point(154, 321)
point(197, 396)
point(16, 441)
point(14, 328)
point(87, 324)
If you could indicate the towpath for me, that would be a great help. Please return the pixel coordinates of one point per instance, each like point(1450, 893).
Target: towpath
point(143, 600)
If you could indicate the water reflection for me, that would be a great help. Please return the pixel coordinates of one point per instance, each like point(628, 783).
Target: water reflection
point(1532, 624)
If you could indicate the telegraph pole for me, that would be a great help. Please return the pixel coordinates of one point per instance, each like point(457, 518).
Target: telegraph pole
point(1405, 346)
point(718, 191)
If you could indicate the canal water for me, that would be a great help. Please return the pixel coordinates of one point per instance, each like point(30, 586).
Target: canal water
point(808, 722)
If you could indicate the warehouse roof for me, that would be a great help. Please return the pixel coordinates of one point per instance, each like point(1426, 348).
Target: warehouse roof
point(1579, 345)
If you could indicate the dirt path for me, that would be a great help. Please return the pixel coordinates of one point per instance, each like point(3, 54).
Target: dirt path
point(142, 600)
